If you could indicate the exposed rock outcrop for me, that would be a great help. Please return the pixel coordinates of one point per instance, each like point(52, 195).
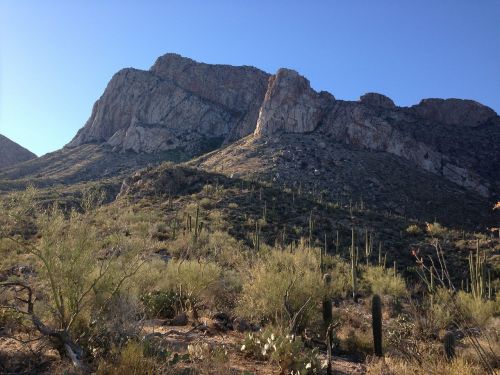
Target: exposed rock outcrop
point(377, 100)
point(454, 111)
point(375, 123)
point(290, 105)
point(11, 153)
point(177, 104)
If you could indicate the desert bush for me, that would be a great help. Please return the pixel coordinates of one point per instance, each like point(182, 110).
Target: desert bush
point(356, 342)
point(413, 230)
point(11, 319)
point(206, 203)
point(196, 282)
point(217, 246)
point(462, 308)
point(435, 229)
point(77, 273)
point(476, 311)
point(131, 360)
point(161, 304)
point(427, 365)
point(269, 279)
point(382, 281)
point(226, 250)
point(111, 327)
point(341, 272)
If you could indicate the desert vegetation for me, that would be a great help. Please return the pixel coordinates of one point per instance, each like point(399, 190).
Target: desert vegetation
point(239, 276)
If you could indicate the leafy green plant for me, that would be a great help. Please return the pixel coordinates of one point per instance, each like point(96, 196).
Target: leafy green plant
point(161, 304)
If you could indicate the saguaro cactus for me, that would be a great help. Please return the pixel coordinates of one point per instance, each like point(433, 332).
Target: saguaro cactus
point(327, 301)
point(449, 345)
point(377, 325)
point(354, 265)
point(256, 236)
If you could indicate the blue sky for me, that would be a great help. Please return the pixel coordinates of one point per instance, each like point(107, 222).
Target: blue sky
point(56, 57)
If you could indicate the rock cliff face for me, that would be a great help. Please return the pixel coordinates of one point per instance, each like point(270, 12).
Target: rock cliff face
point(184, 106)
point(375, 123)
point(177, 104)
point(290, 105)
point(11, 153)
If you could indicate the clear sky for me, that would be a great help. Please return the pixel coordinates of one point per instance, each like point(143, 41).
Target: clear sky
point(56, 57)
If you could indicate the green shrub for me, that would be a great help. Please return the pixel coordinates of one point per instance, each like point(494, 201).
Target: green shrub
point(194, 282)
point(462, 307)
point(161, 304)
point(382, 281)
point(435, 229)
point(272, 275)
point(130, 360)
point(475, 310)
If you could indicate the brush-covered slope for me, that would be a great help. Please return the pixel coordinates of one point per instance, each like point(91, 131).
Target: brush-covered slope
point(347, 175)
point(12, 153)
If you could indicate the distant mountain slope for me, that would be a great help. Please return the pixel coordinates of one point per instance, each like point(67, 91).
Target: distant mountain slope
point(12, 153)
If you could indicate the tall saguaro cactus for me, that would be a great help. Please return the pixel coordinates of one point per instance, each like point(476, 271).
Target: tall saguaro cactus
point(354, 265)
point(377, 325)
point(449, 345)
point(327, 301)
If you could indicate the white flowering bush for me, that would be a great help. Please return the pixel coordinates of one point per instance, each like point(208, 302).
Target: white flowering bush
point(285, 350)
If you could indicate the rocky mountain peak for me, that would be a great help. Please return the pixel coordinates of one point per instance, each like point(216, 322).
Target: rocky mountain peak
point(179, 104)
point(291, 105)
point(377, 100)
point(459, 112)
point(11, 153)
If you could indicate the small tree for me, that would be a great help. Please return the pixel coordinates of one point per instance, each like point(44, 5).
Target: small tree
point(78, 272)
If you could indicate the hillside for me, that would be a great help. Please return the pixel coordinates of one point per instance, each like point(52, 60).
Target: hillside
point(12, 153)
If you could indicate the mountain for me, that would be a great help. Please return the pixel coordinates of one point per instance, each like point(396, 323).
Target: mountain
point(437, 158)
point(178, 103)
point(12, 153)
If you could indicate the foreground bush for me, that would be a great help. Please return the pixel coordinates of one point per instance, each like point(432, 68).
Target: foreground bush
point(382, 281)
point(277, 273)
